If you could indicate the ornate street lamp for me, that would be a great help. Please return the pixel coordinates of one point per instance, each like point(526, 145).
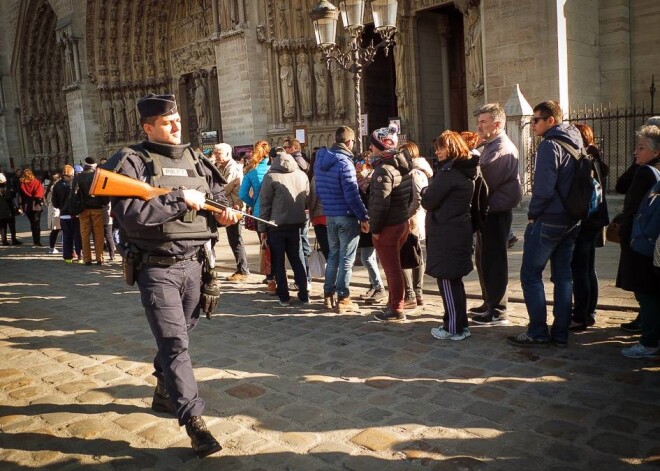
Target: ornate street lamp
point(324, 16)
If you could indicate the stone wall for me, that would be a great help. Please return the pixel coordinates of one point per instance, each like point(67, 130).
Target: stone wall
point(583, 38)
point(9, 129)
point(524, 54)
point(644, 47)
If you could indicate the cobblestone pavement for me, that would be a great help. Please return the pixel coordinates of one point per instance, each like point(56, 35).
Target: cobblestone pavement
point(300, 388)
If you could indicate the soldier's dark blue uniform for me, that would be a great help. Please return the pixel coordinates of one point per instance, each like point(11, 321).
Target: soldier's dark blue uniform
point(167, 238)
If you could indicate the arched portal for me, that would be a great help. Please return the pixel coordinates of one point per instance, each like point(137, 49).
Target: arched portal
point(39, 73)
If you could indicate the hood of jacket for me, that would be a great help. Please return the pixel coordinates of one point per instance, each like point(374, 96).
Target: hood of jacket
point(283, 163)
point(396, 160)
point(565, 132)
point(466, 167)
point(420, 163)
point(303, 164)
point(329, 157)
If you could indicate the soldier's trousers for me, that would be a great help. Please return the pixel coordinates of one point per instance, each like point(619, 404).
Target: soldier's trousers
point(170, 296)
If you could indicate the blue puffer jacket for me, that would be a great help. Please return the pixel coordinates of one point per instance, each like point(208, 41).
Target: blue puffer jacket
point(336, 183)
point(252, 180)
point(553, 174)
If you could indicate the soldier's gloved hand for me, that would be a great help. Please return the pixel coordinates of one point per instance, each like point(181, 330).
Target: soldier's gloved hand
point(210, 293)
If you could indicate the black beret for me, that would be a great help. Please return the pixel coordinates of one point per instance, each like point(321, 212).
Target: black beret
point(156, 105)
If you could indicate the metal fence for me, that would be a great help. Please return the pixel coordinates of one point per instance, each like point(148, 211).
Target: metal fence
point(614, 135)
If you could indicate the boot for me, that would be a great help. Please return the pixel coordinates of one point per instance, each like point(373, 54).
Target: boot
point(16, 242)
point(162, 401)
point(271, 288)
point(329, 301)
point(345, 305)
point(203, 443)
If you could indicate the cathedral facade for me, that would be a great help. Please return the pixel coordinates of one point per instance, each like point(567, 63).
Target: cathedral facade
point(71, 71)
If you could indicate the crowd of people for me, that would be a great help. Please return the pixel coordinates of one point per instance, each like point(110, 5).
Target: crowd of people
point(403, 213)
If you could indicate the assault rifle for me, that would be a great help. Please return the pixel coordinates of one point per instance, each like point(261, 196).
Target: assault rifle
point(107, 183)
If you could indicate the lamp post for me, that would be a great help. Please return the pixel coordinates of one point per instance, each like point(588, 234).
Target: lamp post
point(324, 16)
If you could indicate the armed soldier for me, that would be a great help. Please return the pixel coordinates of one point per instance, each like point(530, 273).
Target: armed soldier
point(166, 237)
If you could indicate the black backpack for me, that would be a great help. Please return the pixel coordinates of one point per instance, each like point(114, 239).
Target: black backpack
point(73, 205)
point(585, 194)
point(479, 204)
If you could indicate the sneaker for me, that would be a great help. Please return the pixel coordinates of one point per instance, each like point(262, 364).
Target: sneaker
point(559, 343)
point(524, 340)
point(390, 315)
point(284, 303)
point(236, 277)
point(634, 327)
point(490, 318)
point(640, 351)
point(53, 251)
point(203, 443)
point(16, 242)
point(68, 260)
point(377, 296)
point(345, 305)
point(368, 294)
point(577, 326)
point(410, 304)
point(479, 310)
point(512, 241)
point(441, 334)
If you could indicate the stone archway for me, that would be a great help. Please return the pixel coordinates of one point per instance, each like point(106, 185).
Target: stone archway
point(40, 74)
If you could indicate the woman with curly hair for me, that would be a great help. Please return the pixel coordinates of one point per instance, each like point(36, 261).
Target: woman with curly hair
point(32, 192)
point(254, 170)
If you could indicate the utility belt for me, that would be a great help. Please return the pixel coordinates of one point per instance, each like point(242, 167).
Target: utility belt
point(134, 260)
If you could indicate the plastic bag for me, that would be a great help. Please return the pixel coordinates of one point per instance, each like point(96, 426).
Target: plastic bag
point(316, 263)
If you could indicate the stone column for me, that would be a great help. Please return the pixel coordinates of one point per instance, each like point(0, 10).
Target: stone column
point(443, 24)
point(614, 17)
point(518, 128)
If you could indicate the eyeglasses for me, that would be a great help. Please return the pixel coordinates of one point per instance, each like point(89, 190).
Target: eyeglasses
point(360, 162)
point(536, 119)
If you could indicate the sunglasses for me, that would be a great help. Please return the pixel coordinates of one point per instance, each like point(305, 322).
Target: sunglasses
point(536, 119)
point(360, 162)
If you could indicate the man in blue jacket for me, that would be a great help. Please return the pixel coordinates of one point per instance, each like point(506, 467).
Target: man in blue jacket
point(336, 186)
point(551, 232)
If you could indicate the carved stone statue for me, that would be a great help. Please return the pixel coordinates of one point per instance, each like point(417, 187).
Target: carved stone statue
point(201, 105)
point(52, 138)
point(304, 84)
point(61, 137)
point(321, 81)
point(106, 115)
point(337, 75)
point(474, 52)
point(120, 115)
point(228, 14)
point(36, 140)
point(45, 143)
point(132, 121)
point(286, 80)
point(401, 89)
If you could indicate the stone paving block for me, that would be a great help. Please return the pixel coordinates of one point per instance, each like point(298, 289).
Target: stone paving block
point(58, 419)
point(566, 452)
point(16, 383)
point(332, 452)
point(377, 439)
point(163, 433)
point(76, 386)
point(135, 421)
point(95, 397)
point(374, 415)
point(246, 391)
point(9, 372)
point(299, 440)
point(28, 393)
point(108, 376)
point(301, 412)
point(614, 443)
point(87, 428)
point(490, 393)
point(561, 429)
point(494, 412)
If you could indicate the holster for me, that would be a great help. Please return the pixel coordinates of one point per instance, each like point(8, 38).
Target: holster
point(130, 265)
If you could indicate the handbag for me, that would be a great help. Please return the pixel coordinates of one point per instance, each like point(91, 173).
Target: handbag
point(612, 231)
point(250, 223)
point(265, 266)
point(37, 205)
point(316, 263)
point(411, 252)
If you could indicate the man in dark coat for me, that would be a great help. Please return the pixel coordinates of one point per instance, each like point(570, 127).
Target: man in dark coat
point(551, 232)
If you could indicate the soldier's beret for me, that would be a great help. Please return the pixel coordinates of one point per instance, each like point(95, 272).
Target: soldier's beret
point(156, 105)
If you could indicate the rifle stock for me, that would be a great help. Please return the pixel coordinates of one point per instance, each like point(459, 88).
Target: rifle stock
point(107, 183)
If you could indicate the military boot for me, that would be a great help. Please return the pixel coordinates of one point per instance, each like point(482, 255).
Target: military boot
point(203, 443)
point(346, 305)
point(162, 401)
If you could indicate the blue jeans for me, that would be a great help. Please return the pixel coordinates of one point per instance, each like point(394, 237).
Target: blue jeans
point(369, 260)
point(554, 242)
point(343, 238)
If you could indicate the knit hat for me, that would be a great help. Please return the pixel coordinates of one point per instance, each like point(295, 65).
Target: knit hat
point(68, 170)
point(156, 105)
point(3, 179)
point(386, 138)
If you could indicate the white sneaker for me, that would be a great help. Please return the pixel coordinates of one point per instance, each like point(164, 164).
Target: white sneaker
point(53, 251)
point(441, 334)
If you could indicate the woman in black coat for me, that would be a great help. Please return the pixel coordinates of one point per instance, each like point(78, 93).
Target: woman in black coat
point(449, 230)
point(636, 271)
